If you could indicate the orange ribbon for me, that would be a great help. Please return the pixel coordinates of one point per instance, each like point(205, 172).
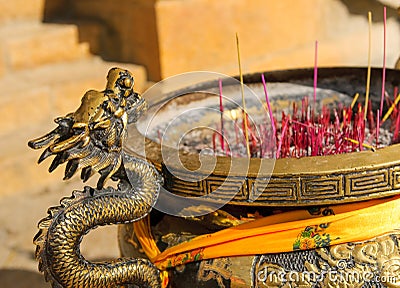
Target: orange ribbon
point(284, 232)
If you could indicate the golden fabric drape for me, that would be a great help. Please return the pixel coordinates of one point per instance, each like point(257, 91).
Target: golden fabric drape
point(284, 232)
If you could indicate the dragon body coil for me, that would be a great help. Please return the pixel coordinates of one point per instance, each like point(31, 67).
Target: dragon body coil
point(67, 224)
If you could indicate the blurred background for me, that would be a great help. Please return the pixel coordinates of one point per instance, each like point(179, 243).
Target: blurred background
point(52, 51)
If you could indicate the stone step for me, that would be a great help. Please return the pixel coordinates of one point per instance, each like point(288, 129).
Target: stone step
point(29, 103)
point(17, 10)
point(95, 34)
point(20, 170)
point(33, 96)
point(29, 44)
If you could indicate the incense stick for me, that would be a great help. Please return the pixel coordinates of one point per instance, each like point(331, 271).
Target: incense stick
point(315, 72)
point(268, 105)
point(384, 61)
point(361, 144)
point(246, 133)
point(396, 130)
point(278, 151)
point(377, 128)
point(369, 65)
point(390, 109)
point(354, 100)
point(221, 109)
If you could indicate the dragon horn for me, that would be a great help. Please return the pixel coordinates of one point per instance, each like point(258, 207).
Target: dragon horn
point(45, 140)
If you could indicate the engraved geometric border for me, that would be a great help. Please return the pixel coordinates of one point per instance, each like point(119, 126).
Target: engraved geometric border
point(184, 187)
point(229, 185)
point(291, 190)
point(270, 189)
point(395, 172)
point(175, 183)
point(321, 187)
point(372, 181)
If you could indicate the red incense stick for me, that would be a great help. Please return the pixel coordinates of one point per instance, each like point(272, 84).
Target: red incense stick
point(282, 136)
point(377, 127)
point(271, 117)
point(384, 61)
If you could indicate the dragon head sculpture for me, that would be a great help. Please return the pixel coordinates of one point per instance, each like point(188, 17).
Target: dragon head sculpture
point(91, 138)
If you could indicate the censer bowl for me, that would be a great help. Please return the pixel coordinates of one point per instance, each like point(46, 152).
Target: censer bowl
point(281, 182)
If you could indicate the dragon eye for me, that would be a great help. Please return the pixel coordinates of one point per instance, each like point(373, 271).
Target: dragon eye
point(128, 82)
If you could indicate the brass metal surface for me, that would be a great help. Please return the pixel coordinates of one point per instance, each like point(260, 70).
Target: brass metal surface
point(313, 180)
point(307, 181)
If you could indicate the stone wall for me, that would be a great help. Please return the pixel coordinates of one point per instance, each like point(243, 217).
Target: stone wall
point(44, 71)
point(175, 36)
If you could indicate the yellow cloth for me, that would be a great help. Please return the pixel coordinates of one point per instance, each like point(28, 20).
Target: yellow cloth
point(145, 237)
point(284, 232)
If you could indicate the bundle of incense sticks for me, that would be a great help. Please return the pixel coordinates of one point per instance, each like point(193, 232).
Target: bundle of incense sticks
point(306, 132)
point(331, 131)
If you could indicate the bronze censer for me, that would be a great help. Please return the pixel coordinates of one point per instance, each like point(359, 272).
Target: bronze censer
point(225, 221)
